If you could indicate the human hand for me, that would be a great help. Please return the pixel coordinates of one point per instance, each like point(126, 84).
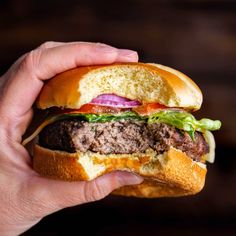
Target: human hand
point(25, 197)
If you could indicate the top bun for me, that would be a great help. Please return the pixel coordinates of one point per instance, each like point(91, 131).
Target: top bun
point(147, 83)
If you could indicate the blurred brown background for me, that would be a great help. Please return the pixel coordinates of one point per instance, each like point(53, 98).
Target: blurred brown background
point(197, 37)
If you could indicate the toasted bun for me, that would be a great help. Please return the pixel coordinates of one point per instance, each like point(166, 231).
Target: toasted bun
point(170, 174)
point(137, 81)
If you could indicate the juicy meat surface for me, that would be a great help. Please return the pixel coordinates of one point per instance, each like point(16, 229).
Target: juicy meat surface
point(120, 137)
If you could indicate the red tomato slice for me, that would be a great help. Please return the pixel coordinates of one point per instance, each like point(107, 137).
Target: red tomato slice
point(148, 108)
point(145, 109)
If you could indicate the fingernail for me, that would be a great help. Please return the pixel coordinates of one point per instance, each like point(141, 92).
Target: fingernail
point(127, 52)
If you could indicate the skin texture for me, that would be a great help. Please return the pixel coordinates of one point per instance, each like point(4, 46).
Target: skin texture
point(25, 197)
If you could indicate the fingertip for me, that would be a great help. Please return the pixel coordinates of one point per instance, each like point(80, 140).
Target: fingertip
point(127, 55)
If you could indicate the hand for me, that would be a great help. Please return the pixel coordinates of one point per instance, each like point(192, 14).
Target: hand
point(25, 197)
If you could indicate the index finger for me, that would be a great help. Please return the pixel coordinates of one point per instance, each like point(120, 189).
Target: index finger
point(41, 64)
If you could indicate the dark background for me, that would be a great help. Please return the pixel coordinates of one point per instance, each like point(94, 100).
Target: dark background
point(197, 37)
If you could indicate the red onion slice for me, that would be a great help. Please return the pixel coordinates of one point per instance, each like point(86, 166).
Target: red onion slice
point(112, 100)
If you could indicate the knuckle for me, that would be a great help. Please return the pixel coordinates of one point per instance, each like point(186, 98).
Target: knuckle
point(93, 192)
point(31, 61)
point(78, 46)
point(99, 44)
point(46, 45)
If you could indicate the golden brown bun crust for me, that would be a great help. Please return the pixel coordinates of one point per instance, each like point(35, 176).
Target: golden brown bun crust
point(170, 174)
point(137, 81)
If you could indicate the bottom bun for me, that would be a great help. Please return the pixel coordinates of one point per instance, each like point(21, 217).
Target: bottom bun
point(172, 173)
point(153, 189)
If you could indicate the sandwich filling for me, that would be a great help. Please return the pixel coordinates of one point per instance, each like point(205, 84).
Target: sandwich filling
point(111, 124)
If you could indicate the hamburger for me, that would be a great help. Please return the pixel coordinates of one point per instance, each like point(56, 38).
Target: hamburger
point(132, 117)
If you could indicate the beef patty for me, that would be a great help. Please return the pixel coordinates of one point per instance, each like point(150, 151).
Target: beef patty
point(120, 137)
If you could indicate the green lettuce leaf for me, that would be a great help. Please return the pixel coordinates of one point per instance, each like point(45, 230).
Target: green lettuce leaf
point(185, 121)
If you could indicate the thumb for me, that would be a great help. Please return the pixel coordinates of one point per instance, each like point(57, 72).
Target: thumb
point(56, 195)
